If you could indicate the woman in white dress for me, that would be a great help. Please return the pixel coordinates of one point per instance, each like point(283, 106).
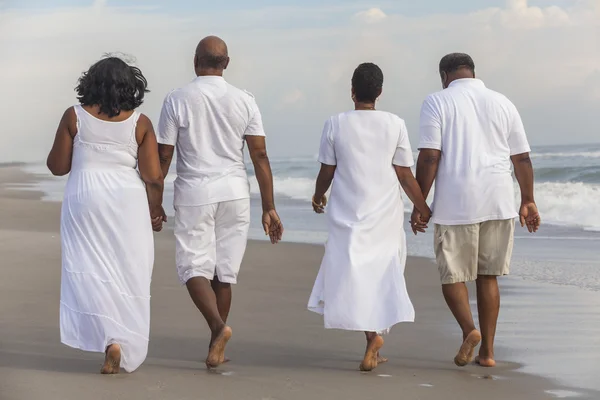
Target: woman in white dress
point(367, 155)
point(108, 214)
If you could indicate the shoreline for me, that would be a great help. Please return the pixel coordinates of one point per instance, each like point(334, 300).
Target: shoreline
point(275, 335)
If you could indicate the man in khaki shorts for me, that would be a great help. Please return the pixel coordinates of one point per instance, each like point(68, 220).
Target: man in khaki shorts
point(469, 136)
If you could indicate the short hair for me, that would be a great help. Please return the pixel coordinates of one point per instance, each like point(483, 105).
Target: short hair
point(113, 85)
point(455, 61)
point(367, 82)
point(212, 61)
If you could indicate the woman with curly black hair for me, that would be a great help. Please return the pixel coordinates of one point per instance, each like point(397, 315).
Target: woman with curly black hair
point(108, 214)
point(367, 155)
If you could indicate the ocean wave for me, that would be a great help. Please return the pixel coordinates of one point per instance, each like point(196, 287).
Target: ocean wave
point(579, 154)
point(586, 174)
point(560, 203)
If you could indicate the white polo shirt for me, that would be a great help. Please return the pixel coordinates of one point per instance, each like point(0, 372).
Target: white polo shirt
point(207, 120)
point(477, 131)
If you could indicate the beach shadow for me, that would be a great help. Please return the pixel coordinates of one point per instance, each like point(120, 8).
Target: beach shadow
point(51, 363)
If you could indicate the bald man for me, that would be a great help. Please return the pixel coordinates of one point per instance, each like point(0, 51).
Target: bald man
point(209, 121)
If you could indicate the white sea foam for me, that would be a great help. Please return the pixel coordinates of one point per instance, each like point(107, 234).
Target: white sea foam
point(560, 203)
point(580, 154)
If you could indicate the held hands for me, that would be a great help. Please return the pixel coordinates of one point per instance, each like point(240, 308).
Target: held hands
point(319, 206)
point(272, 225)
point(529, 216)
point(419, 221)
point(157, 217)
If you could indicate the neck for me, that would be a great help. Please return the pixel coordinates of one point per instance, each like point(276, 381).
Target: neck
point(209, 72)
point(364, 106)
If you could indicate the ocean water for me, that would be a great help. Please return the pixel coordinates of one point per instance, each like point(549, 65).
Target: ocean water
point(565, 251)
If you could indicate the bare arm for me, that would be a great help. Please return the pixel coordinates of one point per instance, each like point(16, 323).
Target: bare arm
point(524, 174)
point(61, 155)
point(165, 154)
point(149, 165)
point(427, 167)
point(257, 147)
point(412, 190)
point(324, 180)
point(528, 212)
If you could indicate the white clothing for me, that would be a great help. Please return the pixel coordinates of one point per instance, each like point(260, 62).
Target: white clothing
point(211, 240)
point(360, 285)
point(477, 131)
point(107, 243)
point(208, 120)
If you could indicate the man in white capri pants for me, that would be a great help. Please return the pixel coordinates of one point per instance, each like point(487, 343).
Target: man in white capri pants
point(208, 121)
point(469, 136)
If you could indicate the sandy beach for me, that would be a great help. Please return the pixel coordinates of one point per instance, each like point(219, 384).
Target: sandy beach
point(279, 350)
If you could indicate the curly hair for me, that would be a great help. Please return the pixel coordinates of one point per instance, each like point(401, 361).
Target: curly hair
point(455, 61)
point(113, 85)
point(367, 82)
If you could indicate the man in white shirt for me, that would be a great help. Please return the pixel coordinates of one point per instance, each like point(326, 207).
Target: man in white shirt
point(208, 121)
point(469, 135)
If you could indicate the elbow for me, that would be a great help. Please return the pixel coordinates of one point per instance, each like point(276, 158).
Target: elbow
point(157, 182)
point(57, 170)
point(259, 155)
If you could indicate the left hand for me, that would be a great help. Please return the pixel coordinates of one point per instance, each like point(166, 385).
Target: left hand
point(272, 225)
point(418, 222)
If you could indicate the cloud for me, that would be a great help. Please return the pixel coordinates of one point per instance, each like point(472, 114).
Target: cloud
point(293, 97)
point(371, 15)
point(298, 63)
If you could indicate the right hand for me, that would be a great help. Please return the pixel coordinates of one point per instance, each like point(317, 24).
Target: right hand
point(272, 225)
point(319, 204)
point(157, 218)
point(418, 221)
point(530, 217)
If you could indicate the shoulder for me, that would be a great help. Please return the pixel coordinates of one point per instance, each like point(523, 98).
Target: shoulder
point(144, 122)
point(69, 119)
point(436, 98)
point(502, 102)
point(243, 94)
point(393, 118)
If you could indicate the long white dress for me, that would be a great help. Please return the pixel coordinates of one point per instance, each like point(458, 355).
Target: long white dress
point(107, 243)
point(360, 285)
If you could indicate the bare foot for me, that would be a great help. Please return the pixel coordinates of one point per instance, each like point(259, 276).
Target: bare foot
point(381, 359)
point(225, 360)
point(370, 361)
point(487, 362)
point(216, 354)
point(465, 354)
point(112, 360)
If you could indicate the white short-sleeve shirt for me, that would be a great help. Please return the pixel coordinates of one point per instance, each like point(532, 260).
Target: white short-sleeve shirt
point(477, 131)
point(207, 120)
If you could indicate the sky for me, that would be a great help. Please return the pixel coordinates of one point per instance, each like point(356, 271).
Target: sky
point(297, 58)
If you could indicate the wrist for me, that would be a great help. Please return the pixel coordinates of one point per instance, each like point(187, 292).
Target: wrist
point(527, 200)
point(266, 207)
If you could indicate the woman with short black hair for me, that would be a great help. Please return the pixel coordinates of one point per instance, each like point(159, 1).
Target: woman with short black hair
point(108, 214)
point(367, 155)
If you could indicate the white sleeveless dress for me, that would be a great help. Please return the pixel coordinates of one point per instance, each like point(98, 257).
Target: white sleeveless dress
point(107, 243)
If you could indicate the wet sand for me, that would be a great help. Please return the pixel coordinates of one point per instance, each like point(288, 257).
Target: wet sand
point(279, 350)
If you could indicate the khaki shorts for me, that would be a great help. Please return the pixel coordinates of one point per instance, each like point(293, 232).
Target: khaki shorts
point(464, 251)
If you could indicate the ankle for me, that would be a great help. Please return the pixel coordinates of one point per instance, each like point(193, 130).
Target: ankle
point(467, 332)
point(216, 327)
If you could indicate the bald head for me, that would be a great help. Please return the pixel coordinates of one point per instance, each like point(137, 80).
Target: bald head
point(211, 56)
